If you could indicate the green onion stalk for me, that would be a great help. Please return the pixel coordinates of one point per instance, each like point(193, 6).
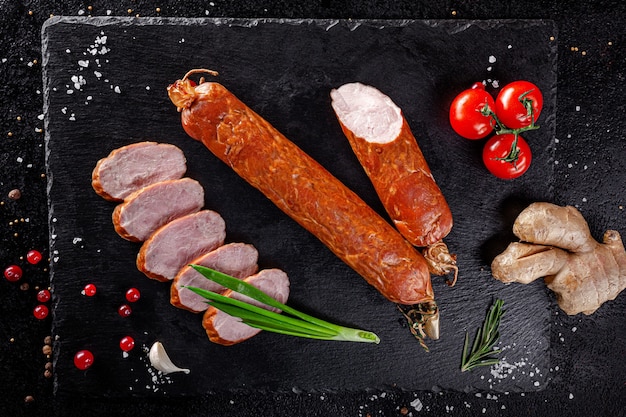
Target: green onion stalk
point(291, 322)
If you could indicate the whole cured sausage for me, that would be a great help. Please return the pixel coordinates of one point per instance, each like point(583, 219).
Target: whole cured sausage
point(307, 192)
point(386, 148)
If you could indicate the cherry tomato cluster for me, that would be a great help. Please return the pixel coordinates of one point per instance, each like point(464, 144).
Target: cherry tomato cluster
point(474, 114)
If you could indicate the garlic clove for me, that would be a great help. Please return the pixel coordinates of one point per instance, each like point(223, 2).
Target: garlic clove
point(161, 361)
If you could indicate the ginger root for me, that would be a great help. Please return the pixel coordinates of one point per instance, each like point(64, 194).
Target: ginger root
point(556, 244)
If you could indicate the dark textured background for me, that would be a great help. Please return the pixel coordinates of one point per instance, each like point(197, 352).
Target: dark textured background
point(588, 354)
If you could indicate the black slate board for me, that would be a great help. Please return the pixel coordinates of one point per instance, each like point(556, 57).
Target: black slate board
point(284, 70)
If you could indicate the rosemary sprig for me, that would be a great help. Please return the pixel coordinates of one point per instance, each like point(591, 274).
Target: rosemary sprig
point(483, 352)
point(292, 322)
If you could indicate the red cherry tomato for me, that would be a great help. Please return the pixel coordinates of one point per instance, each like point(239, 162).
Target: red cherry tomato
point(466, 117)
point(503, 161)
point(514, 102)
point(83, 359)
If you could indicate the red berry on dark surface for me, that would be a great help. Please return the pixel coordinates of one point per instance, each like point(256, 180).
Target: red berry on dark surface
point(127, 343)
point(133, 295)
point(43, 296)
point(34, 256)
point(89, 290)
point(124, 310)
point(13, 273)
point(41, 312)
point(83, 359)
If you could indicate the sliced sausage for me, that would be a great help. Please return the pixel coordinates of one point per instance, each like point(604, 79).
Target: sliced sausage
point(227, 330)
point(149, 208)
point(176, 243)
point(238, 260)
point(132, 167)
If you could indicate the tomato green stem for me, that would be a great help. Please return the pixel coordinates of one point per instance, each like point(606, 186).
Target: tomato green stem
point(513, 154)
point(501, 129)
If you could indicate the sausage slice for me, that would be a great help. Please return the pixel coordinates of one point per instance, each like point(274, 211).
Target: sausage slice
point(149, 208)
point(132, 167)
point(228, 330)
point(238, 260)
point(173, 245)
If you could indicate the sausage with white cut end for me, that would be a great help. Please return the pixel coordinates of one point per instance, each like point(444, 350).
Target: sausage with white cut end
point(227, 330)
point(132, 167)
point(149, 208)
point(386, 148)
point(178, 242)
point(238, 260)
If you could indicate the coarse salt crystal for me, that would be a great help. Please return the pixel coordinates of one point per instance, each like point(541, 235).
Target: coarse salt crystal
point(117, 89)
point(417, 404)
point(83, 63)
point(492, 59)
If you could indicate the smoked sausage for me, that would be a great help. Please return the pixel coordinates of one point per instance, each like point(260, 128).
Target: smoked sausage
point(304, 190)
point(386, 148)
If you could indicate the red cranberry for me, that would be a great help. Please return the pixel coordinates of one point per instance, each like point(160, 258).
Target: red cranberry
point(33, 256)
point(89, 290)
point(83, 359)
point(133, 295)
point(40, 312)
point(127, 343)
point(13, 273)
point(43, 296)
point(124, 310)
